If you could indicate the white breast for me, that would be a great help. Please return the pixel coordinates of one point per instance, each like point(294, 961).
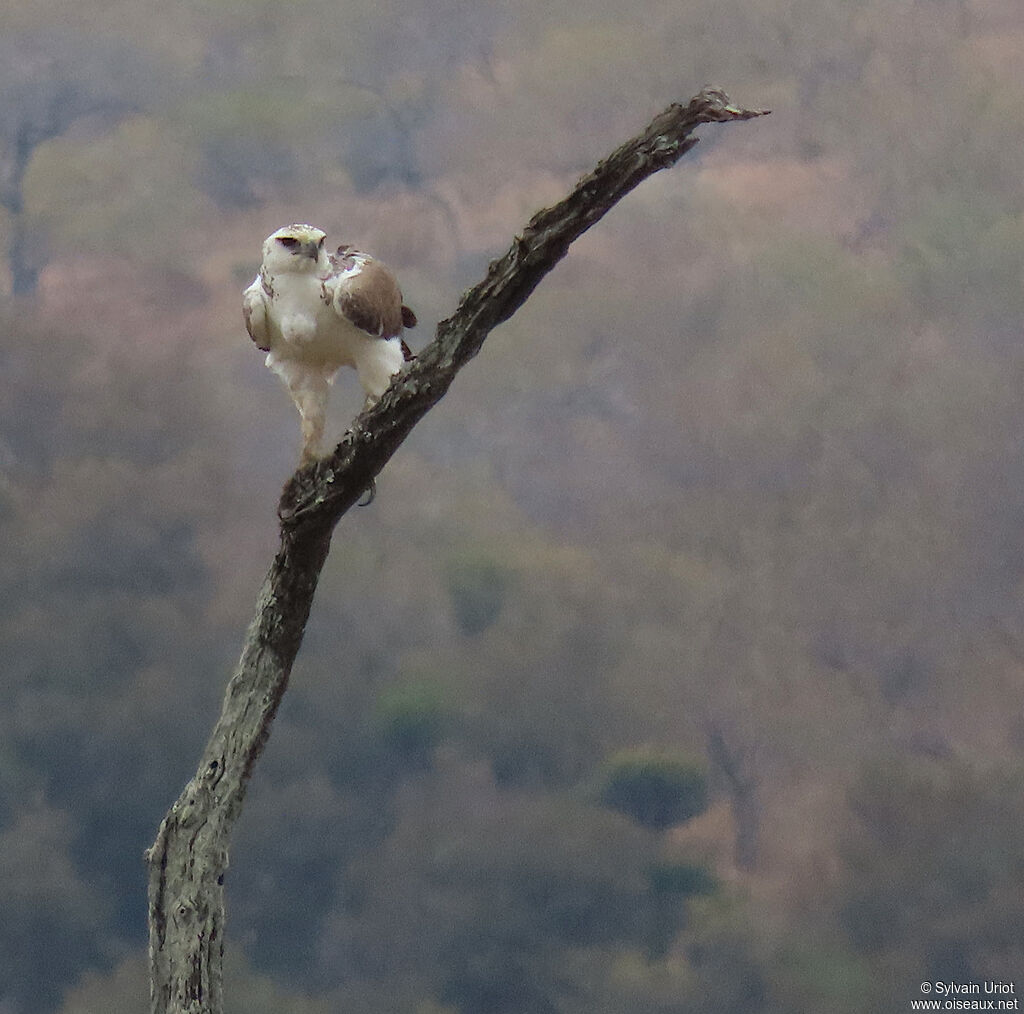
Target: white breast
point(310, 331)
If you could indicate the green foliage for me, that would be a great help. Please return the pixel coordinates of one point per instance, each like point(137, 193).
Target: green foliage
point(671, 884)
point(45, 898)
point(477, 586)
point(656, 790)
point(683, 879)
point(933, 859)
point(820, 975)
point(114, 193)
point(249, 141)
point(730, 977)
point(246, 991)
point(479, 894)
point(519, 758)
point(120, 991)
point(412, 719)
point(751, 455)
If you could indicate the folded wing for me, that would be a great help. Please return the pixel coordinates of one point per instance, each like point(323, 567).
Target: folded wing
point(254, 310)
point(365, 292)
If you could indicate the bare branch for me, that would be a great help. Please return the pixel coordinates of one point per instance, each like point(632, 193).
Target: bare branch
point(326, 492)
point(188, 860)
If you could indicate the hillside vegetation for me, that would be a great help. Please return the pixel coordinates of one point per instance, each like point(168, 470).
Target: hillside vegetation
point(677, 666)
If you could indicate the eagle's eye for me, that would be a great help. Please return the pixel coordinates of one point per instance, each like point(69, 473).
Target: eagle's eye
point(288, 241)
point(321, 243)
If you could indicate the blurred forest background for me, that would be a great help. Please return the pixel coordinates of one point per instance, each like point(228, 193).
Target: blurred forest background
point(677, 665)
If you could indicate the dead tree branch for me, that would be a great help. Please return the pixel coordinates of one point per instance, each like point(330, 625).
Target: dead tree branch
point(188, 860)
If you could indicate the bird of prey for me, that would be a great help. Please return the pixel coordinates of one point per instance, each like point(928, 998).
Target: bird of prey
point(313, 312)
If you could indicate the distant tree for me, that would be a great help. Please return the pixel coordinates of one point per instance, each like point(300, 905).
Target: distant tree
point(656, 789)
point(477, 586)
point(188, 860)
point(50, 81)
point(933, 887)
point(735, 765)
point(249, 142)
point(671, 885)
point(412, 719)
point(43, 897)
point(482, 918)
point(659, 790)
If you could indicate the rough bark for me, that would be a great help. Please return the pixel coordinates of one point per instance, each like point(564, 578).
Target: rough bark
point(188, 860)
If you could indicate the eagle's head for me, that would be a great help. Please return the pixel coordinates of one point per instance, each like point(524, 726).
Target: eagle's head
point(295, 248)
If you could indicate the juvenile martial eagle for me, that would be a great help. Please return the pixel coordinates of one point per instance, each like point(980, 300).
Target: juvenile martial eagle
point(313, 312)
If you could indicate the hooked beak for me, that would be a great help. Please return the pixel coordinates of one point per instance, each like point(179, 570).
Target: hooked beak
point(310, 249)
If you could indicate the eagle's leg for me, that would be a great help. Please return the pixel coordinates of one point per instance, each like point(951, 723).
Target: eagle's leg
point(312, 435)
point(309, 392)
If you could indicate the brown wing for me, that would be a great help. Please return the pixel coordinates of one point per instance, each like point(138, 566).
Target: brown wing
point(368, 296)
